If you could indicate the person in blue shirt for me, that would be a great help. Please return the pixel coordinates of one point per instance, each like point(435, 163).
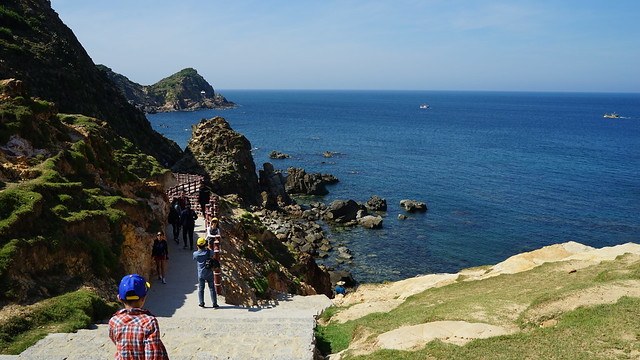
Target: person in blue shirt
point(204, 274)
point(340, 289)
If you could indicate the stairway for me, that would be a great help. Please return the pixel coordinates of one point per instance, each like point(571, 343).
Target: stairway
point(226, 333)
point(283, 330)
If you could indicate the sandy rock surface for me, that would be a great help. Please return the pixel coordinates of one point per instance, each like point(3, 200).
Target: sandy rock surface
point(454, 332)
point(384, 297)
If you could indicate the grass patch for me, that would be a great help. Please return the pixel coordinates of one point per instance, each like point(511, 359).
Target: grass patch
point(332, 338)
point(506, 300)
point(64, 313)
point(600, 332)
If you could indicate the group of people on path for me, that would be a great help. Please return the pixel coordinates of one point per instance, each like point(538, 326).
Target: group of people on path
point(134, 330)
point(182, 216)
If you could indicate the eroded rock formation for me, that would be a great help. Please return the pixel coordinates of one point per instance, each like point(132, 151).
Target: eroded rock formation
point(224, 156)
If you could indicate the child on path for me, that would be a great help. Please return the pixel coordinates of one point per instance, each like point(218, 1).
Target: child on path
point(204, 274)
point(134, 330)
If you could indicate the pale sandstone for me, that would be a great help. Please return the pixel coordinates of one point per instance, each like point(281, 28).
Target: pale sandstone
point(384, 297)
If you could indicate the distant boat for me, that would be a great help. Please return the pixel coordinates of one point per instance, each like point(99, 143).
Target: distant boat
point(424, 106)
point(611, 116)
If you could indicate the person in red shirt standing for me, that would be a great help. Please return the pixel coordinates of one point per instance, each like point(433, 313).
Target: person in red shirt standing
point(134, 330)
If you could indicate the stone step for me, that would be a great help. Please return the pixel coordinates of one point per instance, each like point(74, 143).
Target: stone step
point(194, 338)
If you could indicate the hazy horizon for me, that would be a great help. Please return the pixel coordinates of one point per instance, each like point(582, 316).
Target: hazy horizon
point(531, 46)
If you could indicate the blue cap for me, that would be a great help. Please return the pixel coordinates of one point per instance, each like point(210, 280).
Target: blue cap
point(133, 287)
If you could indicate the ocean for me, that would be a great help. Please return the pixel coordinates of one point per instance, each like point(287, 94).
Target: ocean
point(501, 172)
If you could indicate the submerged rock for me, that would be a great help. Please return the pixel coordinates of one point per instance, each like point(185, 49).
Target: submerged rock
point(278, 155)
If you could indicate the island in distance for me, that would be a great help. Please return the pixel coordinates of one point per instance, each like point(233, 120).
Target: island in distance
point(184, 90)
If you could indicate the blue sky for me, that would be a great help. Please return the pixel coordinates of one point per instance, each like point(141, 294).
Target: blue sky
point(519, 45)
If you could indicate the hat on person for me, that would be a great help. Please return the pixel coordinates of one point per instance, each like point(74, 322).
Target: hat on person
point(133, 287)
point(340, 282)
point(214, 219)
point(201, 242)
point(159, 233)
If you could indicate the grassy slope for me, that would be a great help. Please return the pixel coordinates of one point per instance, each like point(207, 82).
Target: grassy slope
point(62, 194)
point(518, 300)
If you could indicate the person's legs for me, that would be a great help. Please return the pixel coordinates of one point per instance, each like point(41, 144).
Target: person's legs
point(201, 292)
point(185, 232)
point(162, 269)
point(191, 230)
point(212, 290)
point(158, 267)
point(176, 232)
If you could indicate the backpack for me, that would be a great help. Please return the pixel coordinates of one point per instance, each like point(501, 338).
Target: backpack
point(211, 263)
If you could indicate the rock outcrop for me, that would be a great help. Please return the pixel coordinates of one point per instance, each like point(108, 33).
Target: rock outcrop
point(376, 203)
point(184, 90)
point(278, 155)
point(370, 222)
point(43, 53)
point(413, 206)
point(272, 186)
point(224, 156)
point(341, 211)
point(299, 182)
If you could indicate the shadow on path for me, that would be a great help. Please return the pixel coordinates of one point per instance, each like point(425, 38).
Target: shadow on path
point(166, 299)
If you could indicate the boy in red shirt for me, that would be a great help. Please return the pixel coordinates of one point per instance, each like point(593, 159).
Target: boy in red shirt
point(134, 330)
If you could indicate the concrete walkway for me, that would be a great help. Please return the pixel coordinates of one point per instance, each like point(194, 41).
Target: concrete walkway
point(283, 330)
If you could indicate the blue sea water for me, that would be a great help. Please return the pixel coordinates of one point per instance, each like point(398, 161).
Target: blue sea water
point(501, 172)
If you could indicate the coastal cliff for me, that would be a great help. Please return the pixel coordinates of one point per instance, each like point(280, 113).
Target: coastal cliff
point(184, 90)
point(42, 52)
point(77, 200)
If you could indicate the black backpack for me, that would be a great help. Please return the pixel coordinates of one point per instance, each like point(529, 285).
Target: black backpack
point(211, 263)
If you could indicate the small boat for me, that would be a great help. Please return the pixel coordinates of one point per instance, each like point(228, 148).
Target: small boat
point(611, 116)
point(424, 106)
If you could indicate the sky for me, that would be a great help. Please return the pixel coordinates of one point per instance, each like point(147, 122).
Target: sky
point(492, 45)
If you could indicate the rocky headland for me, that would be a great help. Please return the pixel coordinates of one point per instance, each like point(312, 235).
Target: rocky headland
point(182, 91)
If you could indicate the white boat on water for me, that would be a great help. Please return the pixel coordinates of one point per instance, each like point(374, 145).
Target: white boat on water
point(611, 116)
point(424, 106)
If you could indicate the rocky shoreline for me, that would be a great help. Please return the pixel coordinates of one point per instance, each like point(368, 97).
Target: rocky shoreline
point(223, 157)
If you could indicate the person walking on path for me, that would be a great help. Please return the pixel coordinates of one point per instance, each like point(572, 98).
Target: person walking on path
point(134, 330)
point(174, 219)
point(203, 198)
point(188, 221)
point(160, 254)
point(205, 274)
